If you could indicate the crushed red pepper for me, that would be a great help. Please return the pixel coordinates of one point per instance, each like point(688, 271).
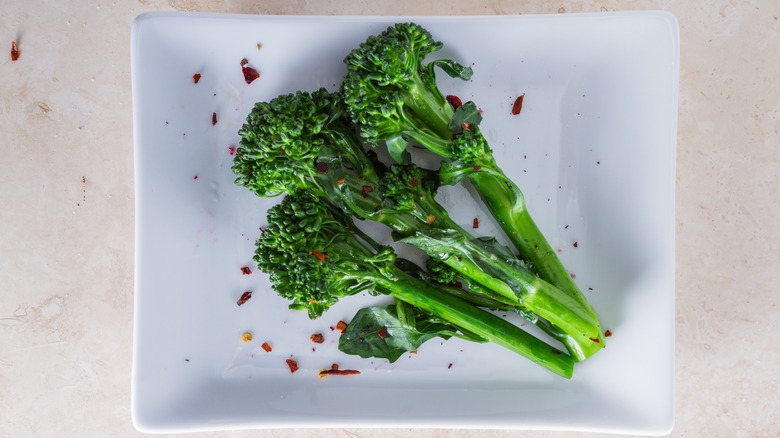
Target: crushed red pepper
point(382, 333)
point(430, 218)
point(518, 105)
point(414, 181)
point(340, 181)
point(476, 223)
point(575, 244)
point(250, 74)
point(595, 340)
point(213, 119)
point(293, 365)
point(367, 190)
point(318, 254)
point(335, 371)
point(245, 270)
point(342, 326)
point(321, 167)
point(14, 51)
point(454, 101)
point(317, 338)
point(477, 168)
point(244, 297)
point(466, 126)
point(196, 78)
point(607, 334)
point(266, 347)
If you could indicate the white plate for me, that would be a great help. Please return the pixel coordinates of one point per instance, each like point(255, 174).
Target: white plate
point(593, 150)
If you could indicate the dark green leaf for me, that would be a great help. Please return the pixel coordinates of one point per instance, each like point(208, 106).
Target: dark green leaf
point(454, 69)
point(466, 113)
point(377, 332)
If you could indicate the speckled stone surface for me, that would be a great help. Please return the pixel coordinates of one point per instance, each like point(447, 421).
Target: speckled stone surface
point(66, 211)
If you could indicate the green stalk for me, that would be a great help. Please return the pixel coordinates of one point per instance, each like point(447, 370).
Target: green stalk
point(477, 321)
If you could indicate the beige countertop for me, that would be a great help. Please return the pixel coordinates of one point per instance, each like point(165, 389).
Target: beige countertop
point(66, 211)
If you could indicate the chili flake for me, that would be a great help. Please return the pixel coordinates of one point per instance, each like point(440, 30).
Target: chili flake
point(382, 333)
point(575, 244)
point(318, 254)
point(317, 338)
point(449, 366)
point(321, 167)
point(293, 365)
point(246, 337)
point(335, 371)
point(414, 181)
point(595, 340)
point(244, 297)
point(213, 119)
point(250, 74)
point(607, 334)
point(245, 270)
point(266, 347)
point(477, 168)
point(476, 223)
point(196, 78)
point(454, 101)
point(430, 218)
point(14, 51)
point(518, 105)
point(342, 326)
point(466, 126)
point(340, 181)
point(367, 190)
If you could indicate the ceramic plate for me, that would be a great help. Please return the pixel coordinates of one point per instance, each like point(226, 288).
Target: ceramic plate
point(593, 150)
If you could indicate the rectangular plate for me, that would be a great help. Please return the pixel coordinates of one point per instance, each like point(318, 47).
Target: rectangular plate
point(593, 149)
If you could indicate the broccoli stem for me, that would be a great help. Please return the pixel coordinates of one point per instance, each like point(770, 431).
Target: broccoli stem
point(430, 107)
point(480, 322)
point(507, 206)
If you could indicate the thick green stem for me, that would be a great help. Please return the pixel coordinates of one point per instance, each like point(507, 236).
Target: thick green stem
point(430, 108)
point(507, 205)
point(478, 321)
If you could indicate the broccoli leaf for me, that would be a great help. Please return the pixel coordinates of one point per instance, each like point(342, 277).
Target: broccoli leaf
point(454, 69)
point(378, 332)
point(467, 113)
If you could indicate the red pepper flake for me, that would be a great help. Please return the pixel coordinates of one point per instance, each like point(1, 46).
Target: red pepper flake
point(342, 326)
point(266, 347)
point(414, 181)
point(575, 244)
point(382, 333)
point(317, 338)
point(250, 74)
point(477, 168)
point(466, 126)
point(430, 218)
point(449, 366)
point(321, 167)
point(213, 119)
point(195, 177)
point(196, 78)
point(607, 334)
point(595, 340)
point(232, 150)
point(367, 190)
point(293, 365)
point(318, 254)
point(335, 371)
point(413, 352)
point(573, 276)
point(476, 223)
point(518, 105)
point(454, 101)
point(14, 51)
point(244, 297)
point(245, 270)
point(340, 181)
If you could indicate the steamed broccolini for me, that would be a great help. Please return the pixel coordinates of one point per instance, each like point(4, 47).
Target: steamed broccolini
point(392, 94)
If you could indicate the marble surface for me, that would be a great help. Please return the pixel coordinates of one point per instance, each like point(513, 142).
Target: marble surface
point(66, 211)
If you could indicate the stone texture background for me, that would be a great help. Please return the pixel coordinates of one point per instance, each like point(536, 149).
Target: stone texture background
point(66, 211)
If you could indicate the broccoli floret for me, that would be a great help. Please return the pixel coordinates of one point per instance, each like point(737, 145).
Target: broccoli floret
point(329, 262)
